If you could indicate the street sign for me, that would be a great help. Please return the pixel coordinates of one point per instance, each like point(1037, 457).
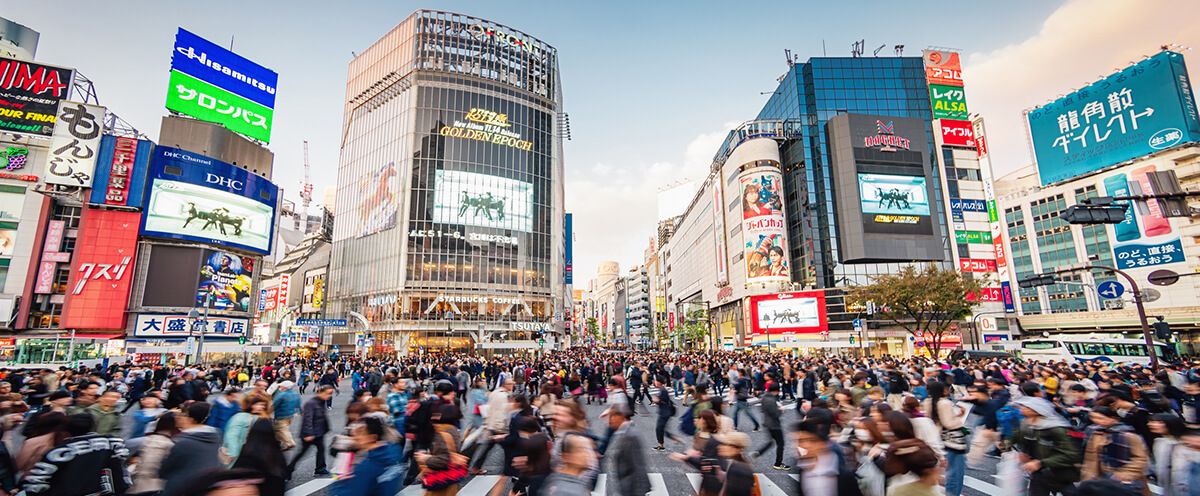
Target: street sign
point(1110, 289)
point(322, 322)
point(858, 325)
point(1150, 295)
point(1163, 277)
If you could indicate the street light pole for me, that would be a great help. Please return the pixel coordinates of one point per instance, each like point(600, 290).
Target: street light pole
point(1137, 301)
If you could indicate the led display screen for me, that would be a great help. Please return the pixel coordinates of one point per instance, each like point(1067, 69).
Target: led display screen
point(895, 195)
point(470, 199)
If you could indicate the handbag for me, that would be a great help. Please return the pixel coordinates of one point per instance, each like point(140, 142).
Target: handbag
point(956, 439)
point(454, 473)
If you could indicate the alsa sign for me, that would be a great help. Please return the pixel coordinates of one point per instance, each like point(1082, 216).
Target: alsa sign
point(885, 138)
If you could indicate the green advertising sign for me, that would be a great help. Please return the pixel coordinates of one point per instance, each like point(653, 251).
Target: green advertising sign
point(191, 96)
point(949, 102)
point(993, 215)
point(976, 237)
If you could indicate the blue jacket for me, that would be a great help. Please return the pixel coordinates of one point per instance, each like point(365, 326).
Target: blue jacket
point(286, 404)
point(221, 413)
point(378, 474)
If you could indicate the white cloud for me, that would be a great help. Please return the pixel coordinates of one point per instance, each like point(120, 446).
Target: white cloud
point(1080, 42)
point(615, 206)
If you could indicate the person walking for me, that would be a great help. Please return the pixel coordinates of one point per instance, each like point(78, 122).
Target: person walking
point(771, 420)
point(286, 405)
point(84, 463)
point(741, 392)
point(261, 454)
point(1048, 454)
point(666, 411)
point(627, 459)
point(443, 466)
point(194, 453)
point(314, 425)
point(1114, 451)
point(949, 418)
point(104, 411)
point(495, 423)
point(155, 448)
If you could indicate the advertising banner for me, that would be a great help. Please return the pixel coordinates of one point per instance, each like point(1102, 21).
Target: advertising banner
point(763, 228)
point(957, 133)
point(967, 205)
point(74, 145)
point(121, 172)
point(943, 68)
point(101, 272)
point(568, 249)
point(285, 282)
point(314, 291)
point(948, 102)
point(198, 198)
point(977, 237)
point(213, 64)
point(377, 206)
point(14, 157)
point(1144, 108)
point(470, 199)
point(30, 94)
point(225, 281)
point(271, 295)
point(1143, 239)
point(895, 195)
point(719, 235)
point(781, 314)
point(190, 96)
point(169, 326)
point(976, 265)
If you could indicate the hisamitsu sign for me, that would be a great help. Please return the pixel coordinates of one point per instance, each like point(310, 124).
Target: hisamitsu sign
point(208, 62)
point(322, 322)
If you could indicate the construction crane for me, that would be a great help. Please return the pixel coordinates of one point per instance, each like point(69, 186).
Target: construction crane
point(305, 190)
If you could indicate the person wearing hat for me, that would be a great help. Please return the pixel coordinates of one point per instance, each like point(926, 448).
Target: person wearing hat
point(739, 479)
point(916, 457)
point(286, 406)
point(1114, 451)
point(1048, 453)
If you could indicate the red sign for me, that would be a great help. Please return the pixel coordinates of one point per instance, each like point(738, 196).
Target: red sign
point(55, 230)
point(980, 138)
point(102, 272)
point(985, 294)
point(957, 133)
point(943, 68)
point(272, 296)
point(45, 278)
point(671, 321)
point(124, 154)
point(976, 265)
point(284, 280)
point(800, 312)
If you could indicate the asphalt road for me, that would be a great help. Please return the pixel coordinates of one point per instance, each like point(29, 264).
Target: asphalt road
point(669, 477)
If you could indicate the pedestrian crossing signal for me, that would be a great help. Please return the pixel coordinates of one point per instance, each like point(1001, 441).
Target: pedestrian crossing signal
point(241, 339)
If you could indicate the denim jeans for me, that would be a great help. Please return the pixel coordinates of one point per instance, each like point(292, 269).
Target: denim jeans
point(956, 469)
point(739, 407)
point(678, 387)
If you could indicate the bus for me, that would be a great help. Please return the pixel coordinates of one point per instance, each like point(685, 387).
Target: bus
point(1084, 348)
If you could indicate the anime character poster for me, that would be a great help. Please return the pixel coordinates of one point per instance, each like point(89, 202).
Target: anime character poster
point(763, 228)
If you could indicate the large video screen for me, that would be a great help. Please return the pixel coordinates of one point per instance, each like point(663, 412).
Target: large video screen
point(227, 277)
point(199, 198)
point(894, 195)
point(788, 314)
point(471, 199)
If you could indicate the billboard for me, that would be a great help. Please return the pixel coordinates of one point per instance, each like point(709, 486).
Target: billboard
point(377, 206)
point(471, 199)
point(893, 195)
point(569, 242)
point(948, 102)
point(943, 68)
point(17, 41)
point(30, 94)
point(190, 96)
point(101, 270)
point(176, 325)
point(74, 144)
point(314, 291)
point(1144, 108)
point(225, 280)
point(1145, 238)
point(120, 178)
point(197, 198)
point(801, 312)
point(763, 229)
point(209, 62)
point(957, 133)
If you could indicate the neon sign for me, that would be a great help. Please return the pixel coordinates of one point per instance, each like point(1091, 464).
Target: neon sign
point(486, 125)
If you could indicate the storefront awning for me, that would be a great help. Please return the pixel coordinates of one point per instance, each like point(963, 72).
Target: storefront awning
point(67, 335)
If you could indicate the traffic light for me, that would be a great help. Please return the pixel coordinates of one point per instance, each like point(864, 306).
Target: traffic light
point(1096, 211)
point(1162, 330)
point(851, 339)
point(241, 339)
point(1038, 280)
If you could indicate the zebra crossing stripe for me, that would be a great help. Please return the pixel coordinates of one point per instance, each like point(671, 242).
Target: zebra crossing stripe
point(601, 485)
point(769, 488)
point(658, 486)
point(309, 487)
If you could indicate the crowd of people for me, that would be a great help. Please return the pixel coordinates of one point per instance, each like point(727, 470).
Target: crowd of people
point(850, 426)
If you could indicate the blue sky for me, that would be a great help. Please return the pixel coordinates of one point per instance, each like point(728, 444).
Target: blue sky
point(651, 87)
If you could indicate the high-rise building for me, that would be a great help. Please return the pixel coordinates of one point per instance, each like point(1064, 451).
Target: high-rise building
point(450, 188)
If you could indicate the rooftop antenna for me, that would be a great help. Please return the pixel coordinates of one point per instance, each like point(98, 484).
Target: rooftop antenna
point(857, 48)
point(899, 50)
point(787, 53)
point(823, 52)
point(877, 50)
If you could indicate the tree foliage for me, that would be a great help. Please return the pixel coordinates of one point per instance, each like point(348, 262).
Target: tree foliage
point(694, 329)
point(593, 328)
point(926, 302)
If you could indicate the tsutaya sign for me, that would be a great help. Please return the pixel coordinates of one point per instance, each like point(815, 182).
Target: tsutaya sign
point(486, 125)
point(885, 138)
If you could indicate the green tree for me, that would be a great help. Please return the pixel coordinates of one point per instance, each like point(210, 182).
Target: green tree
point(694, 330)
point(593, 328)
point(925, 302)
point(657, 332)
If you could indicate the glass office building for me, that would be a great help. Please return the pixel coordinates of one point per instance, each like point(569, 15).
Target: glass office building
point(810, 94)
point(450, 190)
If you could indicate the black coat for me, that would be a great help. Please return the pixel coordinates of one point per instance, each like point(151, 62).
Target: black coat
point(314, 421)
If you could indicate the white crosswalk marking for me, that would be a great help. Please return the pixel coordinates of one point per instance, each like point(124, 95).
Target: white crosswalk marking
point(980, 486)
point(309, 487)
point(480, 484)
point(695, 480)
point(413, 490)
point(769, 488)
point(601, 485)
point(658, 486)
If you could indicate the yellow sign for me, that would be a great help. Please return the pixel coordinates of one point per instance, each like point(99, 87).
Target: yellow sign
point(896, 219)
point(485, 125)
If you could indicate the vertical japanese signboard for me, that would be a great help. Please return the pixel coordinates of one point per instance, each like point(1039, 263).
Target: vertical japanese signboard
point(719, 234)
point(284, 283)
point(75, 144)
point(101, 272)
point(30, 94)
point(51, 257)
point(569, 248)
point(120, 178)
point(1146, 107)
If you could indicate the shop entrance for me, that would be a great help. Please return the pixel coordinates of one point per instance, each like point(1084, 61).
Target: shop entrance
point(441, 342)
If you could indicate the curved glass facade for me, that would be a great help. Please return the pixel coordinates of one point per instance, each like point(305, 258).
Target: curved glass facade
point(449, 226)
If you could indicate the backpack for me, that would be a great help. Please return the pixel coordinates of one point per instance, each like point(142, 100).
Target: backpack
point(687, 421)
point(1008, 421)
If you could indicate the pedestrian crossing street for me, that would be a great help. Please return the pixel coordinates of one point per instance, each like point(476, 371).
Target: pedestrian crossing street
point(672, 484)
